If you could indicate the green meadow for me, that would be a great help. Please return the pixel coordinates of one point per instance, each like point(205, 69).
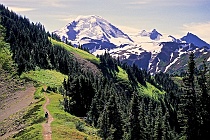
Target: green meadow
point(122, 74)
point(150, 90)
point(50, 78)
point(33, 117)
point(64, 125)
point(77, 51)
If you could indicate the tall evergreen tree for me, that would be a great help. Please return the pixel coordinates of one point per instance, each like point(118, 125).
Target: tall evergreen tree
point(114, 119)
point(190, 105)
point(103, 124)
point(136, 131)
point(204, 107)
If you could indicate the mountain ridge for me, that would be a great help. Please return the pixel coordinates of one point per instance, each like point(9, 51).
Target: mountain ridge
point(104, 106)
point(147, 49)
point(192, 38)
point(90, 21)
point(91, 27)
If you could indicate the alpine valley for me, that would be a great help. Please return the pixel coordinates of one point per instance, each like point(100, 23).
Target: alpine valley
point(149, 50)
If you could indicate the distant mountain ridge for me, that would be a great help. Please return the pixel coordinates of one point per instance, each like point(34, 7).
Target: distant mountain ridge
point(191, 38)
point(148, 50)
point(154, 34)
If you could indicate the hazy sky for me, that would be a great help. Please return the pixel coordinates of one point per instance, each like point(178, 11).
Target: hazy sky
point(175, 17)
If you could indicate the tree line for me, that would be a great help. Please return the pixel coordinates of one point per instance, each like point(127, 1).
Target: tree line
point(116, 107)
point(31, 47)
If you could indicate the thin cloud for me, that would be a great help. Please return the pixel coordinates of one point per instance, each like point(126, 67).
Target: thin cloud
point(167, 2)
point(138, 2)
point(53, 3)
point(37, 3)
point(56, 3)
point(202, 30)
point(66, 18)
point(129, 30)
point(20, 9)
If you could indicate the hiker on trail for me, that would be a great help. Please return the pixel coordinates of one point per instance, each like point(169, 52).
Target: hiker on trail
point(46, 116)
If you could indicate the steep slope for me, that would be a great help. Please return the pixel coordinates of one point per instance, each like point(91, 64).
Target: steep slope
point(149, 50)
point(191, 38)
point(174, 56)
point(16, 95)
point(110, 102)
point(35, 52)
point(94, 31)
point(87, 61)
point(29, 42)
point(168, 57)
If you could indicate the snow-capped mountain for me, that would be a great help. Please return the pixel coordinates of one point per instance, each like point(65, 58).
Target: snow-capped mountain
point(154, 34)
point(94, 32)
point(191, 38)
point(149, 36)
point(149, 50)
point(172, 57)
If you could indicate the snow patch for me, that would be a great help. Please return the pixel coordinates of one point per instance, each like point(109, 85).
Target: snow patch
point(95, 28)
point(208, 59)
point(99, 52)
point(157, 65)
point(175, 60)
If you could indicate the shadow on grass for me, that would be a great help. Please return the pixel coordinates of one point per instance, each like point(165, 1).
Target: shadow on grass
point(33, 115)
point(23, 132)
point(30, 133)
point(31, 119)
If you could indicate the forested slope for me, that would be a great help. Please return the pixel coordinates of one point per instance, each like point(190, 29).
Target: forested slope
point(121, 101)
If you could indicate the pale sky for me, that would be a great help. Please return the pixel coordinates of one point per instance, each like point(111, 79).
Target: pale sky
point(171, 17)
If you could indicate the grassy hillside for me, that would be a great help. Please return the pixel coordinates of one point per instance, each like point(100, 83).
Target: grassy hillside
point(77, 51)
point(178, 81)
point(122, 76)
point(10, 82)
point(148, 90)
point(50, 78)
point(64, 126)
point(34, 117)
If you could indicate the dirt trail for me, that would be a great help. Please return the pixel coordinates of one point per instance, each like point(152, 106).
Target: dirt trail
point(46, 126)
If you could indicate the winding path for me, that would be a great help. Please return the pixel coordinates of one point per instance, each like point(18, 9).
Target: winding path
point(46, 126)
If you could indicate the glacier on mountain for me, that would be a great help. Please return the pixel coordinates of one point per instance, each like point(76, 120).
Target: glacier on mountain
point(149, 50)
point(90, 28)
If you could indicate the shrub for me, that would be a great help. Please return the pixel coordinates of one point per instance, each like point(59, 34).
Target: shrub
point(80, 126)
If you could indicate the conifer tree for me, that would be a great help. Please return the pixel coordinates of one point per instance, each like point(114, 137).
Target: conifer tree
point(190, 107)
point(103, 124)
point(115, 118)
point(204, 107)
point(134, 119)
point(110, 123)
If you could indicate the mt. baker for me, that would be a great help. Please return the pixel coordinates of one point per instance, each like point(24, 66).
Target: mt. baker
point(93, 32)
point(148, 50)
